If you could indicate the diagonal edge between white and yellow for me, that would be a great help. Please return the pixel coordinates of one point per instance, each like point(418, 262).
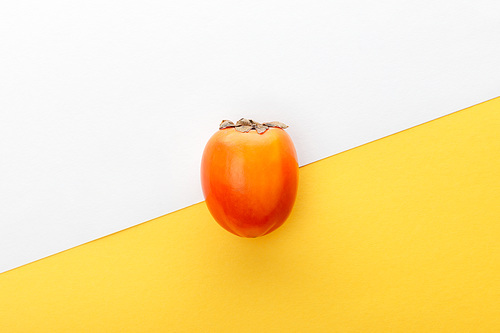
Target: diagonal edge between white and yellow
point(400, 234)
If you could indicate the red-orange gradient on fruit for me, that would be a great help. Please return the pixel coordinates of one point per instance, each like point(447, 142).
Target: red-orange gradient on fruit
point(250, 180)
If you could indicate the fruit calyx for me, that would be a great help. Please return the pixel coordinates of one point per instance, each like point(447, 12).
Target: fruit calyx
point(245, 125)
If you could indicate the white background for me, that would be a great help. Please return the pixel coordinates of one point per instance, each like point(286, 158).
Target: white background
point(105, 106)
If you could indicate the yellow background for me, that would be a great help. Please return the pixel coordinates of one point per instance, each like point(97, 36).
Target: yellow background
point(398, 235)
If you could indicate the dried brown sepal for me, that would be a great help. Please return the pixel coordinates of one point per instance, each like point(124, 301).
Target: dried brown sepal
point(254, 123)
point(226, 124)
point(244, 122)
point(276, 124)
point(261, 128)
point(246, 125)
point(243, 129)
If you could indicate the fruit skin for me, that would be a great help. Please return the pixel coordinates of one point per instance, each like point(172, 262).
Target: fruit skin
point(250, 180)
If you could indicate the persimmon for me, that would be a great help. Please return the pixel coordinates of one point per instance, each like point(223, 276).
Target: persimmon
point(249, 176)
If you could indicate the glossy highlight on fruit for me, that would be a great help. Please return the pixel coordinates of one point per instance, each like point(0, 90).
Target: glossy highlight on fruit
point(249, 176)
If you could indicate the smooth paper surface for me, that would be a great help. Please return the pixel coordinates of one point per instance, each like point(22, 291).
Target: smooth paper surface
point(399, 235)
point(105, 107)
